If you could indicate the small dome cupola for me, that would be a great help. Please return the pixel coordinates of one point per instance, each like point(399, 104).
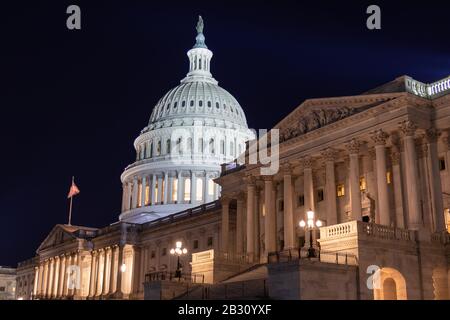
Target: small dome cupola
point(199, 58)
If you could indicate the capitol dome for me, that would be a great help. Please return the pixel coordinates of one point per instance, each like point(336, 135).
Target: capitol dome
point(192, 130)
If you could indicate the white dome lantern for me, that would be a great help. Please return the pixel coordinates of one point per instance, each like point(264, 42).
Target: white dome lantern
point(193, 129)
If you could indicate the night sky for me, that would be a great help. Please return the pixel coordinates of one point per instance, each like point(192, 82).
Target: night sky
point(72, 102)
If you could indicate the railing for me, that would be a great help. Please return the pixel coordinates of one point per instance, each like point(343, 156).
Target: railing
point(341, 258)
point(172, 276)
point(427, 90)
point(354, 228)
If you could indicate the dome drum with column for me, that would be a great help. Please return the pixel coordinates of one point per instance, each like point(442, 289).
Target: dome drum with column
point(192, 130)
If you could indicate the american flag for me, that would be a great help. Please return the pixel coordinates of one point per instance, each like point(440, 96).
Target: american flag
point(73, 190)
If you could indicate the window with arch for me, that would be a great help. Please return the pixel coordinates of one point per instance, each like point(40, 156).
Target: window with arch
point(168, 146)
point(167, 107)
point(209, 104)
point(224, 106)
point(231, 109)
point(200, 64)
point(211, 146)
point(192, 103)
point(183, 103)
point(158, 148)
point(222, 146)
point(175, 104)
point(217, 105)
point(200, 103)
point(179, 149)
point(200, 145)
point(187, 189)
point(199, 189)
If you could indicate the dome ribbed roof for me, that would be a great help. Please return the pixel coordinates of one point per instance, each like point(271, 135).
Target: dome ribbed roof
point(198, 99)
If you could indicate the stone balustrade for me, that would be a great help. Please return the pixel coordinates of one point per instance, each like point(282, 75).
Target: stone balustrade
point(359, 228)
point(427, 90)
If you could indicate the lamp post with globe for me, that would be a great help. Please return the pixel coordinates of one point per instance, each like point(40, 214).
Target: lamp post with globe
point(178, 250)
point(310, 224)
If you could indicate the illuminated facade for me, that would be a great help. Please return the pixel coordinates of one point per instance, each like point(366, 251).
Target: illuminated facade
point(374, 168)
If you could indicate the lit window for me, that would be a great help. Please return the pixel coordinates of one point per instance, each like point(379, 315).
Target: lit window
point(263, 210)
point(210, 187)
point(199, 190)
point(389, 177)
point(139, 199)
point(442, 164)
point(147, 194)
point(362, 184)
point(174, 190)
point(340, 190)
point(163, 182)
point(187, 189)
point(447, 219)
point(156, 190)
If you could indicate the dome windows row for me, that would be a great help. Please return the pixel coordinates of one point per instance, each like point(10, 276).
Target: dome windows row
point(185, 146)
point(192, 103)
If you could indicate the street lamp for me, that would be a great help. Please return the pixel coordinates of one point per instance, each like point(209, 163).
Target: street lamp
point(178, 250)
point(310, 225)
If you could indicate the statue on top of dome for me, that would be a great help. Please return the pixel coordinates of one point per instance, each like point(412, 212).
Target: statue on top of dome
point(200, 25)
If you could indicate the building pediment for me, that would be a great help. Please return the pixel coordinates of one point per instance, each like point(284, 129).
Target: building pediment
point(318, 113)
point(64, 233)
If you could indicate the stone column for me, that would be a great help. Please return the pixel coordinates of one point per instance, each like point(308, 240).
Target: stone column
point(56, 277)
point(77, 290)
point(239, 224)
point(153, 190)
point(225, 223)
point(143, 191)
point(308, 183)
point(92, 275)
point(129, 193)
point(435, 183)
point(355, 193)
point(398, 193)
point(269, 219)
point(193, 188)
point(46, 278)
point(105, 272)
point(66, 264)
point(134, 198)
point(412, 177)
point(112, 270)
point(51, 275)
point(170, 190)
point(329, 156)
point(258, 222)
point(288, 208)
point(180, 188)
point(40, 276)
point(250, 217)
point(166, 187)
point(379, 137)
point(124, 197)
point(118, 292)
point(206, 197)
point(160, 190)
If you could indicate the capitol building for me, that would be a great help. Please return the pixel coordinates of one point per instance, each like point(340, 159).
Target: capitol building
point(358, 210)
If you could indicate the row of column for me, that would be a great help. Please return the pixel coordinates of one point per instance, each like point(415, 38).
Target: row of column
point(167, 189)
point(379, 137)
point(62, 276)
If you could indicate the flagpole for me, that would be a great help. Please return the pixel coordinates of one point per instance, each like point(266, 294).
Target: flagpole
point(70, 206)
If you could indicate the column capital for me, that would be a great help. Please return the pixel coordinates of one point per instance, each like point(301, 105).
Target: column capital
point(422, 150)
point(408, 128)
point(329, 154)
point(250, 179)
point(353, 146)
point(225, 200)
point(307, 162)
point(379, 137)
point(287, 168)
point(432, 135)
point(267, 178)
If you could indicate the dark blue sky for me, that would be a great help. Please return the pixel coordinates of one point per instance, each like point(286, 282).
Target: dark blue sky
point(72, 102)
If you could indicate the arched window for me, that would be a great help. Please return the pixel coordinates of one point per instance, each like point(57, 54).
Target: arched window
point(200, 103)
point(209, 104)
point(189, 145)
point(200, 64)
point(158, 148)
point(217, 105)
point(222, 146)
point(224, 106)
point(192, 103)
point(211, 146)
point(199, 190)
point(179, 149)
point(168, 146)
point(183, 103)
point(200, 145)
point(187, 189)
